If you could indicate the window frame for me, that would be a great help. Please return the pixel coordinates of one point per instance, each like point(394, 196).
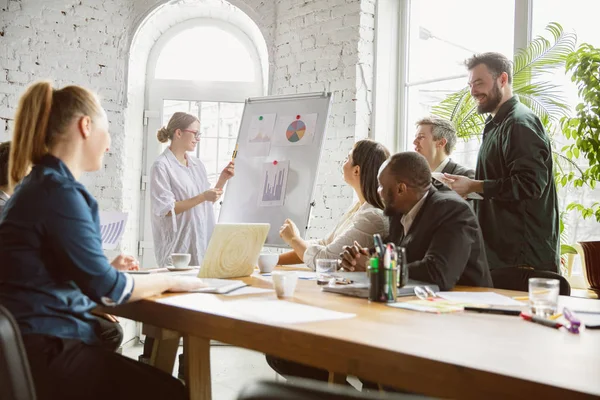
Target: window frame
point(175, 30)
point(390, 119)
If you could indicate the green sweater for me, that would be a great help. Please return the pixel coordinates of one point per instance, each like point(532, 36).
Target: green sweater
point(519, 213)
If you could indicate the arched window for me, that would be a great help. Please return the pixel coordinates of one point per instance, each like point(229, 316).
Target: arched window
point(205, 53)
point(207, 67)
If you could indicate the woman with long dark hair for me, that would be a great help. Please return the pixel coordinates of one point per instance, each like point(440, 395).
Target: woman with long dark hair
point(364, 219)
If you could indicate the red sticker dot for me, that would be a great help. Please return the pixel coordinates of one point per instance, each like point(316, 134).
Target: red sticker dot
point(274, 162)
point(297, 117)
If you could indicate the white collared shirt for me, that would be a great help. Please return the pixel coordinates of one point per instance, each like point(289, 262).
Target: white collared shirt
point(409, 217)
point(190, 231)
point(440, 168)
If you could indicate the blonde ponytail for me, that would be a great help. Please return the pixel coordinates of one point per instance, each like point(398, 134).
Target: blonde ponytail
point(31, 126)
point(42, 118)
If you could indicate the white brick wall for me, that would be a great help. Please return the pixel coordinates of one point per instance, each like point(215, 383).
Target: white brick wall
point(313, 45)
point(317, 45)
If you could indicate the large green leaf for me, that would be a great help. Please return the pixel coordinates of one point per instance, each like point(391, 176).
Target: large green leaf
point(460, 108)
point(566, 249)
point(542, 56)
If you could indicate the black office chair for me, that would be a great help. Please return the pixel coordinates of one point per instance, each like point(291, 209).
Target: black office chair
point(517, 278)
point(304, 389)
point(16, 382)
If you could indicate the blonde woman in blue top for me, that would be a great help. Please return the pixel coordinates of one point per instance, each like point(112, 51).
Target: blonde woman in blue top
point(53, 270)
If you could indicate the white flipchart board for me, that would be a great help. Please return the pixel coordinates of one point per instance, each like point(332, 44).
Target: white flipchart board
point(298, 128)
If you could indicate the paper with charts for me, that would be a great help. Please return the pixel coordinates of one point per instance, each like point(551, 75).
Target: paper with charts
point(273, 183)
point(112, 227)
point(295, 130)
point(260, 133)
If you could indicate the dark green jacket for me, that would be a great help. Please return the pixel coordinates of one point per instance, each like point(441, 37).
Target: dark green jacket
point(519, 213)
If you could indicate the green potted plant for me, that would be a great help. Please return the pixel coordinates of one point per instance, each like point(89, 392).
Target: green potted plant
point(583, 129)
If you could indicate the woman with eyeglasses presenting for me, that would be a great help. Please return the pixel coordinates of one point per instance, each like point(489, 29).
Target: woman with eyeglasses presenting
point(182, 200)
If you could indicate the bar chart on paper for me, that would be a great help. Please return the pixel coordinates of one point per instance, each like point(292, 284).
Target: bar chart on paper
point(112, 227)
point(274, 184)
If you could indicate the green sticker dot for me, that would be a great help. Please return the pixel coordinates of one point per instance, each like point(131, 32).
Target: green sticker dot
point(260, 118)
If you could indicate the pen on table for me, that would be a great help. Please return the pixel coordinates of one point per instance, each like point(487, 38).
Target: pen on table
point(488, 310)
point(525, 298)
point(542, 321)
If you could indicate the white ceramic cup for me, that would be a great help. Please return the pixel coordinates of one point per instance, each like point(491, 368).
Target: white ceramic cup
point(181, 260)
point(266, 262)
point(285, 283)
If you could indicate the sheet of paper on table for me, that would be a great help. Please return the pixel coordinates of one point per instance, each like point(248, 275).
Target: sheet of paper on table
point(266, 310)
point(480, 298)
point(305, 275)
point(249, 290)
point(285, 312)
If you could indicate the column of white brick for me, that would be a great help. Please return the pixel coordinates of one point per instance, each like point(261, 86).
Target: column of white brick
point(69, 42)
point(316, 50)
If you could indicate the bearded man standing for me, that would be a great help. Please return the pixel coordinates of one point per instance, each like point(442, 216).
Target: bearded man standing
point(519, 211)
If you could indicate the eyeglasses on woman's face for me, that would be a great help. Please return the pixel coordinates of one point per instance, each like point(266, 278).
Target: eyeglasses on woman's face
point(196, 134)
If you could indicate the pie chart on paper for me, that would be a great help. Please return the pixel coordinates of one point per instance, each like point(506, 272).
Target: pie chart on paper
point(295, 132)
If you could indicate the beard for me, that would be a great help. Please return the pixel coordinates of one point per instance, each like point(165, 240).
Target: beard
point(492, 99)
point(388, 200)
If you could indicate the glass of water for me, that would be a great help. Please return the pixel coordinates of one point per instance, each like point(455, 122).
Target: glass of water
point(543, 296)
point(326, 270)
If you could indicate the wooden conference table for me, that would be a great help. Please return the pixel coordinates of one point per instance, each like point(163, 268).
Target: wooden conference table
point(459, 355)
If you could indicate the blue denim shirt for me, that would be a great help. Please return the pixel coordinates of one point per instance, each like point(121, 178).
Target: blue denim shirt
point(52, 267)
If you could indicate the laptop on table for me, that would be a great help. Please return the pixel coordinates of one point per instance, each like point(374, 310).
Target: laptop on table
point(232, 252)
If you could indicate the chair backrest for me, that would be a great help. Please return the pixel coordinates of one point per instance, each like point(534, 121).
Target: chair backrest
point(304, 389)
point(515, 278)
point(16, 382)
point(564, 286)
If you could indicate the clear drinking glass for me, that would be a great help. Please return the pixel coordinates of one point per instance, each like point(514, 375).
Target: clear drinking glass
point(543, 296)
point(326, 270)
